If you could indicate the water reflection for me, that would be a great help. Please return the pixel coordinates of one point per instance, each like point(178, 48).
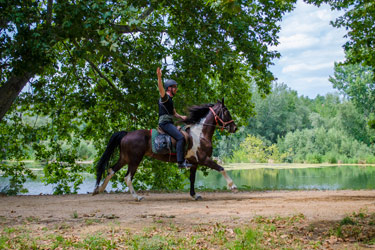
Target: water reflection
point(325, 178)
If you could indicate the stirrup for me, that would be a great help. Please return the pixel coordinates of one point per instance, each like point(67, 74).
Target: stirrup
point(184, 165)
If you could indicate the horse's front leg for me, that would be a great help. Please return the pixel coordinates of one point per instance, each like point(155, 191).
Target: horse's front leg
point(211, 164)
point(193, 172)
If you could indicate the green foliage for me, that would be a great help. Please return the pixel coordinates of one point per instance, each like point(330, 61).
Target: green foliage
point(357, 84)
point(320, 144)
point(91, 64)
point(253, 149)
point(280, 112)
point(14, 143)
point(355, 77)
point(91, 70)
point(18, 175)
point(155, 175)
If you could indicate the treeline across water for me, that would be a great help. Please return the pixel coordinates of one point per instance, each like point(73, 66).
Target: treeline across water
point(297, 129)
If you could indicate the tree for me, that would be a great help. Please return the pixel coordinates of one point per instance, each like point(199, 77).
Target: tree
point(280, 112)
point(357, 84)
point(358, 20)
point(117, 45)
point(90, 67)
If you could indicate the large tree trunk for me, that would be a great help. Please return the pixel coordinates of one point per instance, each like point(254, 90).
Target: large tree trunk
point(10, 90)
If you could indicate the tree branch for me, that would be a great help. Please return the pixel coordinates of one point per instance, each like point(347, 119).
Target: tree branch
point(3, 23)
point(101, 74)
point(97, 69)
point(49, 12)
point(128, 29)
point(147, 12)
point(10, 90)
point(4, 65)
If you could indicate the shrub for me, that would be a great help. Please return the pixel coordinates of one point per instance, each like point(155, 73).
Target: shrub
point(330, 157)
point(253, 149)
point(319, 145)
point(314, 158)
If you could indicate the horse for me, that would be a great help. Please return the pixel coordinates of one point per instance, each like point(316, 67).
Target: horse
point(201, 122)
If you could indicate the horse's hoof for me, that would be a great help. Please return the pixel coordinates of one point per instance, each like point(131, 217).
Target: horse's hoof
point(196, 197)
point(139, 198)
point(233, 188)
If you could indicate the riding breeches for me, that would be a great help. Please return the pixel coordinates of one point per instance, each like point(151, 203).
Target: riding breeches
point(171, 130)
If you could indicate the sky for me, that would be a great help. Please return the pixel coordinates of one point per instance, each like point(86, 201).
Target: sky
point(309, 46)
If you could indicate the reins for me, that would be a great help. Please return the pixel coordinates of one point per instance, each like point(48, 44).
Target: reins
point(217, 119)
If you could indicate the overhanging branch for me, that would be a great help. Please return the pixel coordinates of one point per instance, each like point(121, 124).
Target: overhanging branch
point(49, 12)
point(110, 83)
point(130, 29)
point(101, 74)
point(126, 29)
point(147, 12)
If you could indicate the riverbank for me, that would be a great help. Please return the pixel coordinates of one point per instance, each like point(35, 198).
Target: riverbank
point(272, 219)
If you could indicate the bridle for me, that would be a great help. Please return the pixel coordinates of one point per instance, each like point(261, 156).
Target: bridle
point(218, 119)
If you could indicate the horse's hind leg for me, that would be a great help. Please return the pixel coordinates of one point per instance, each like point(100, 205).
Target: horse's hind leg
point(111, 173)
point(128, 179)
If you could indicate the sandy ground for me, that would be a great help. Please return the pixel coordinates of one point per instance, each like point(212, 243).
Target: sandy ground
point(216, 207)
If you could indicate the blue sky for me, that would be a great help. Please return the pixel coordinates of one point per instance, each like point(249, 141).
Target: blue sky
point(309, 46)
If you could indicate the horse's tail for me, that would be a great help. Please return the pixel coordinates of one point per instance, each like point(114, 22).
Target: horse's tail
point(113, 143)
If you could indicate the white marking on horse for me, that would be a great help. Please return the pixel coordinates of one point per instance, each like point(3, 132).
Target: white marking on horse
point(196, 132)
point(128, 180)
point(230, 183)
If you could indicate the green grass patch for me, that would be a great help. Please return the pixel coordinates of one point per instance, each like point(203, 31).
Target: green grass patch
point(276, 232)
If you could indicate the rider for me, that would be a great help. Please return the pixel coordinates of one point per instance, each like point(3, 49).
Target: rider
point(166, 114)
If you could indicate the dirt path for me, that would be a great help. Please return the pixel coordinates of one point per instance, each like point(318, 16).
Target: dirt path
point(220, 207)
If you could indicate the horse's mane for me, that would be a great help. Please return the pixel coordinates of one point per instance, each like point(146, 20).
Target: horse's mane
point(196, 113)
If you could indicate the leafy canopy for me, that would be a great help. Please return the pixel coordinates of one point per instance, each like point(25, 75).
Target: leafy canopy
point(91, 67)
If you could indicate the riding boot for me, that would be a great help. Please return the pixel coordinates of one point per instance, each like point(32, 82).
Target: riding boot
point(184, 164)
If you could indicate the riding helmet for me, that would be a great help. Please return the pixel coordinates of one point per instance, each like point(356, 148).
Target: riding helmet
point(169, 83)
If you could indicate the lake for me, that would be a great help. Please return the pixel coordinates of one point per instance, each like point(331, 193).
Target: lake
point(320, 178)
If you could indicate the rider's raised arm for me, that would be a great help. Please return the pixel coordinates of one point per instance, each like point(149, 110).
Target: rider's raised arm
point(160, 83)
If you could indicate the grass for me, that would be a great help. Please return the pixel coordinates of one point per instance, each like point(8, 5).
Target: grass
point(277, 232)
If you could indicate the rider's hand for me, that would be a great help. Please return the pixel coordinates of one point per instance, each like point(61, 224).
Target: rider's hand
point(158, 72)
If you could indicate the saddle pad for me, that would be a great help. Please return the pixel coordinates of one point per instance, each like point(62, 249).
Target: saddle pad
point(154, 133)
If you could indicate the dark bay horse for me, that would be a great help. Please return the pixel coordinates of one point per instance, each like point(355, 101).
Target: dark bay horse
point(202, 122)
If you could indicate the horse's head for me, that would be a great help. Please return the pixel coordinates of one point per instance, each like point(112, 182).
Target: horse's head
point(223, 118)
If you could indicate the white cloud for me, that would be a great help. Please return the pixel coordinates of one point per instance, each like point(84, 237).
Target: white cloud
point(297, 41)
point(309, 46)
point(306, 67)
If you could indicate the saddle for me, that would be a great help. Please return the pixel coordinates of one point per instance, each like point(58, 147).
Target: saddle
point(162, 143)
